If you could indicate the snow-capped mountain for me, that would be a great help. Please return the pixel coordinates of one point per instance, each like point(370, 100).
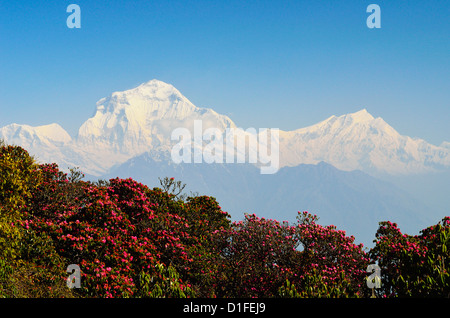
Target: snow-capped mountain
point(358, 141)
point(140, 120)
point(129, 123)
point(50, 143)
point(52, 135)
point(46, 143)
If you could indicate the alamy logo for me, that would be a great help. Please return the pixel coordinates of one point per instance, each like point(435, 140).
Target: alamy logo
point(373, 280)
point(74, 279)
point(374, 19)
point(73, 20)
point(234, 146)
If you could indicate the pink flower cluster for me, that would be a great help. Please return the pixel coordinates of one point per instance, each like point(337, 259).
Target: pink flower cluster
point(414, 265)
point(114, 233)
point(264, 253)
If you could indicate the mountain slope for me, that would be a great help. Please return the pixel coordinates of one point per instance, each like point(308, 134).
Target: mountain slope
point(352, 200)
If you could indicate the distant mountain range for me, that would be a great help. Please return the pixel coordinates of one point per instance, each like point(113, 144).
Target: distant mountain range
point(129, 123)
point(328, 168)
point(360, 141)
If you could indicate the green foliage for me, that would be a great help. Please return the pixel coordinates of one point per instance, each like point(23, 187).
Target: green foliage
point(6, 283)
point(315, 285)
point(288, 290)
point(29, 265)
point(164, 284)
point(18, 176)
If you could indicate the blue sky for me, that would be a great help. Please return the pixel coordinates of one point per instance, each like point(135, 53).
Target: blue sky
point(280, 64)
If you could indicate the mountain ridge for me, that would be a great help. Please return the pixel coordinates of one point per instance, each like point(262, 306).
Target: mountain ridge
point(138, 120)
point(358, 141)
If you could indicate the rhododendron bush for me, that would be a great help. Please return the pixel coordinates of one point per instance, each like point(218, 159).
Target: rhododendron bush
point(331, 259)
point(414, 266)
point(263, 255)
point(130, 240)
point(119, 234)
point(257, 258)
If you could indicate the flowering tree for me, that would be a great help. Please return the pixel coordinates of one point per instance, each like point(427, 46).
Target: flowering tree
point(330, 263)
point(207, 225)
point(202, 221)
point(266, 258)
point(125, 237)
point(413, 266)
point(258, 257)
point(112, 232)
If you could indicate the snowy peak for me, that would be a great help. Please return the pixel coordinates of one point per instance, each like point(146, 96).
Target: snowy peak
point(52, 134)
point(47, 143)
point(360, 141)
point(151, 100)
point(361, 116)
point(351, 125)
point(158, 90)
point(140, 106)
point(138, 120)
